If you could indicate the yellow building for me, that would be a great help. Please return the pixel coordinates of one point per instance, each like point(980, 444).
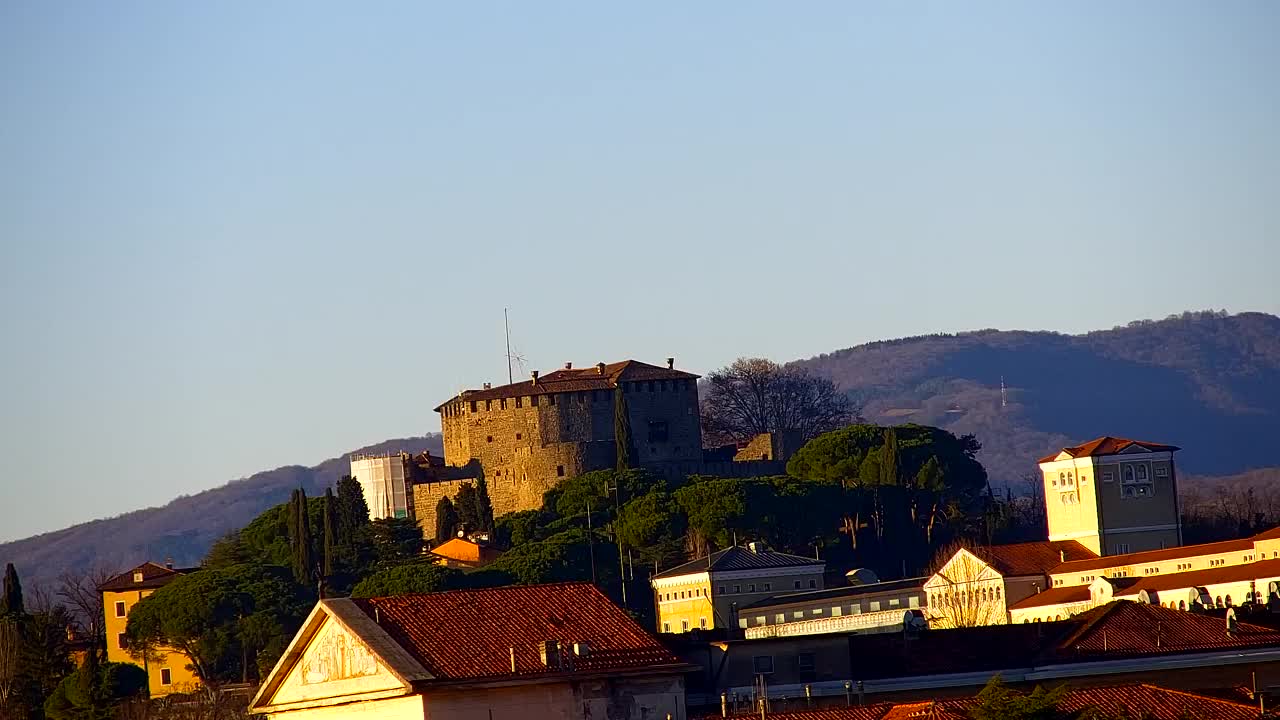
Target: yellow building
point(532, 652)
point(1113, 495)
point(167, 669)
point(464, 553)
point(708, 592)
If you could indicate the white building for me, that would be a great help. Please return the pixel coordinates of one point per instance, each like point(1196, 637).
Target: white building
point(386, 482)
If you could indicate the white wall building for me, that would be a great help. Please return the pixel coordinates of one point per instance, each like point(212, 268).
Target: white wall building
point(386, 482)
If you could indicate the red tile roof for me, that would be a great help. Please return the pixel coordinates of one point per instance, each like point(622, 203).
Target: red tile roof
point(1124, 628)
point(1134, 700)
point(1054, 596)
point(154, 575)
point(1267, 569)
point(599, 377)
point(469, 634)
point(1107, 445)
point(1149, 556)
point(1033, 558)
point(1272, 534)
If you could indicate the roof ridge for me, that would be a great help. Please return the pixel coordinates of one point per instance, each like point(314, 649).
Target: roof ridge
point(459, 591)
point(1198, 696)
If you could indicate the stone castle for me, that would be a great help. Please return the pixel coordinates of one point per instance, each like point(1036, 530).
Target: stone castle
point(527, 436)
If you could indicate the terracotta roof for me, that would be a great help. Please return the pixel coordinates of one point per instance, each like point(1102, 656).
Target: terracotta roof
point(1124, 628)
point(464, 551)
point(469, 634)
point(154, 575)
point(598, 377)
point(1272, 534)
point(1107, 445)
point(1054, 596)
point(1133, 700)
point(1148, 556)
point(1032, 558)
point(739, 558)
point(1209, 576)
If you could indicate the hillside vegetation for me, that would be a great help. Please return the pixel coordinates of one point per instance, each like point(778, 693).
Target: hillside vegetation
point(185, 528)
point(1208, 382)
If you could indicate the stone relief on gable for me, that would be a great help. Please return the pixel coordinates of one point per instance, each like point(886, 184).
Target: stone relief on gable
point(337, 656)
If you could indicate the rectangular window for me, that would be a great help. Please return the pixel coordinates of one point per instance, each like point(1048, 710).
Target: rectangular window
point(913, 601)
point(751, 587)
point(519, 436)
point(768, 587)
point(797, 585)
point(763, 664)
point(519, 401)
point(666, 627)
point(855, 608)
point(551, 399)
point(120, 611)
point(813, 584)
point(1142, 472)
point(835, 611)
point(684, 626)
point(1162, 471)
point(473, 406)
point(816, 611)
point(805, 662)
point(895, 602)
point(875, 605)
point(559, 471)
point(166, 676)
point(702, 623)
point(761, 620)
point(488, 405)
point(779, 618)
point(122, 641)
point(797, 614)
point(657, 431)
point(1107, 477)
point(533, 400)
point(742, 623)
point(721, 589)
point(737, 589)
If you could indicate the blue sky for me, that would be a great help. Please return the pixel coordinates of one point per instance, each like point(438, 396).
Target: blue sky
point(239, 235)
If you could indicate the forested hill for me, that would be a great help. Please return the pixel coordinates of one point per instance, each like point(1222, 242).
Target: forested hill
point(186, 527)
point(1208, 382)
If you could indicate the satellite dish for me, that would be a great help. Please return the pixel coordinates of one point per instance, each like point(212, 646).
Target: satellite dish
point(914, 620)
point(1231, 619)
point(1149, 597)
point(861, 576)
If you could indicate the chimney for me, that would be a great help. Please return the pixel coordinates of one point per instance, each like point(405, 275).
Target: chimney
point(599, 368)
point(168, 563)
point(581, 649)
point(1062, 555)
point(487, 386)
point(535, 377)
point(568, 366)
point(671, 363)
point(549, 651)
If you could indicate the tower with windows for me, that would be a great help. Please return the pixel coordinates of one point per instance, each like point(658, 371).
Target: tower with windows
point(1113, 495)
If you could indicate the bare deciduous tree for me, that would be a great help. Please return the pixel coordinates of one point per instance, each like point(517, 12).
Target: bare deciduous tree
point(756, 395)
point(80, 593)
point(10, 650)
point(964, 591)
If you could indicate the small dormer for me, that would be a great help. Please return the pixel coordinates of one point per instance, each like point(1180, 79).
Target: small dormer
point(137, 576)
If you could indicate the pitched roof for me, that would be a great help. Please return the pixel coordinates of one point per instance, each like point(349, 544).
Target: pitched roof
point(1032, 558)
point(1107, 445)
point(1272, 534)
point(1148, 556)
point(1122, 628)
point(739, 558)
point(1054, 596)
point(1201, 578)
point(471, 634)
point(154, 575)
point(1134, 700)
point(599, 377)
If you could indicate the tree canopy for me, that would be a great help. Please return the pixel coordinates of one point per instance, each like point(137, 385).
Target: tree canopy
point(756, 395)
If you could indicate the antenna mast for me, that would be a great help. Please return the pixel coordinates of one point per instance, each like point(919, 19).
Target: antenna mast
point(1004, 394)
point(506, 327)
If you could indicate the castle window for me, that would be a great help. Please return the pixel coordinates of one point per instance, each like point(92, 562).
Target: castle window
point(559, 471)
point(488, 438)
point(519, 402)
point(488, 405)
point(503, 402)
point(657, 431)
point(473, 406)
point(519, 436)
point(533, 400)
point(551, 399)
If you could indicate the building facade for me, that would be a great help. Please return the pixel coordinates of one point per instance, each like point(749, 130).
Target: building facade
point(871, 608)
point(166, 668)
point(709, 592)
point(541, 652)
point(1113, 495)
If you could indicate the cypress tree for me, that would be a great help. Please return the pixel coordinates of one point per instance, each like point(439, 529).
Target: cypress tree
point(623, 447)
point(330, 533)
point(465, 504)
point(303, 562)
point(484, 507)
point(11, 602)
point(889, 459)
point(446, 519)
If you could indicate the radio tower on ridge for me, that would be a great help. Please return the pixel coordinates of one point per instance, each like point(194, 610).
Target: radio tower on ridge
point(1004, 394)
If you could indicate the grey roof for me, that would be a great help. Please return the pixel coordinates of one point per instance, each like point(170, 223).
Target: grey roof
point(847, 591)
point(740, 558)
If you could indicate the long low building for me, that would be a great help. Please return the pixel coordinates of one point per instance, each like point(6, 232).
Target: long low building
point(874, 607)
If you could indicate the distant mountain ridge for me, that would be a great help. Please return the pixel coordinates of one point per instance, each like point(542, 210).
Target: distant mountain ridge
point(1205, 381)
point(1208, 382)
point(186, 527)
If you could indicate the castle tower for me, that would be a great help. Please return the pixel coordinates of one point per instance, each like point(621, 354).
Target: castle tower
point(1113, 495)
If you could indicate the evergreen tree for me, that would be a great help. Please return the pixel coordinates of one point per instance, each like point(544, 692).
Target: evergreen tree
point(484, 507)
point(303, 562)
point(465, 504)
point(889, 459)
point(330, 533)
point(624, 448)
point(446, 519)
point(11, 602)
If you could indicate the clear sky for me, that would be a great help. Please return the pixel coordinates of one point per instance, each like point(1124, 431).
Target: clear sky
point(237, 235)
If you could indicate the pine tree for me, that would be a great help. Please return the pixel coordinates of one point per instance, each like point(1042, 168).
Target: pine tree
point(330, 533)
point(446, 519)
point(624, 448)
point(484, 507)
point(11, 602)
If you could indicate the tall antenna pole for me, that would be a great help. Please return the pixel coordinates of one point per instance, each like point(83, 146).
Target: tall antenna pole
point(1004, 393)
point(506, 327)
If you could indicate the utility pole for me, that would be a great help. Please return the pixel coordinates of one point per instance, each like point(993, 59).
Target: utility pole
point(622, 567)
point(591, 544)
